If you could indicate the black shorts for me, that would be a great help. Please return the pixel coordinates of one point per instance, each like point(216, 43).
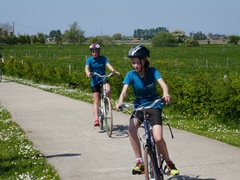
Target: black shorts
point(97, 88)
point(155, 116)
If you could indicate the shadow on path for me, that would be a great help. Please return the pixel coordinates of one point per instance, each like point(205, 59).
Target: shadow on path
point(120, 131)
point(188, 178)
point(62, 155)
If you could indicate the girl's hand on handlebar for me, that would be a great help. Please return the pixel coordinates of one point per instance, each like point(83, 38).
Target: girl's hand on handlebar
point(167, 98)
point(118, 106)
point(117, 73)
point(88, 74)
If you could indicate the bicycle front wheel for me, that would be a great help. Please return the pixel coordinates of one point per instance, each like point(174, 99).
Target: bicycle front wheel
point(150, 164)
point(108, 118)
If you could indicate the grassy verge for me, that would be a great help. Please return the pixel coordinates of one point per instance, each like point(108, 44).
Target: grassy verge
point(210, 128)
point(18, 157)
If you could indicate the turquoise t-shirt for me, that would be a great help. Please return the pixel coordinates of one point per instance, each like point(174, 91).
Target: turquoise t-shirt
point(98, 66)
point(145, 91)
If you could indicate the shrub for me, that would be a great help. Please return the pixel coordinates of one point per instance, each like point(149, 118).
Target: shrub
point(164, 39)
point(190, 42)
point(233, 39)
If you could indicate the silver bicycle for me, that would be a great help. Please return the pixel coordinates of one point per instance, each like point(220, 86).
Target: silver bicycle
point(105, 109)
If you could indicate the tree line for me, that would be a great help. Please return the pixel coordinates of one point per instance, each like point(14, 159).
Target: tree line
point(75, 35)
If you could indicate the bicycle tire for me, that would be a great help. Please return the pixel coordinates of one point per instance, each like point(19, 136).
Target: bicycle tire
point(100, 117)
point(108, 117)
point(150, 164)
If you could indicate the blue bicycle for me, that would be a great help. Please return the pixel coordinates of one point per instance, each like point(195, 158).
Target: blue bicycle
point(154, 164)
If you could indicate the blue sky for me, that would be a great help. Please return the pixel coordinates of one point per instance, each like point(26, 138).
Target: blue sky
point(107, 17)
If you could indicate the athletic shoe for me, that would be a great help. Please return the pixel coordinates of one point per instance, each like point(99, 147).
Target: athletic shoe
point(96, 123)
point(172, 169)
point(138, 169)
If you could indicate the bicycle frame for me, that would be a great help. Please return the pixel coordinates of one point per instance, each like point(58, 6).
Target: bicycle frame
point(103, 95)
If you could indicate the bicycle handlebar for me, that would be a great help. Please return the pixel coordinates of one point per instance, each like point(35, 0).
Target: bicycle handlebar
point(142, 108)
point(102, 76)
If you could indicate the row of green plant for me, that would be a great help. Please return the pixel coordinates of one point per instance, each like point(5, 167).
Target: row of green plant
point(19, 159)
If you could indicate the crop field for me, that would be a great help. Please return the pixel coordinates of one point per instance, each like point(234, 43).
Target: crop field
point(183, 60)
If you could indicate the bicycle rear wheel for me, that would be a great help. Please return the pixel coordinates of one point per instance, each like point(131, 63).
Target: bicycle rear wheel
point(150, 164)
point(108, 118)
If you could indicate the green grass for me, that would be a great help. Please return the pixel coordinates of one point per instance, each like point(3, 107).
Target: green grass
point(19, 159)
point(208, 127)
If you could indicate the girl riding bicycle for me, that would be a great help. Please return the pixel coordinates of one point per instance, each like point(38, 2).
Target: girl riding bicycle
point(97, 63)
point(143, 80)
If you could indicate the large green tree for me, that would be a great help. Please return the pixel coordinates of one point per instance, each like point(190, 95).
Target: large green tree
point(117, 36)
point(148, 33)
point(164, 39)
point(233, 39)
point(75, 35)
point(55, 33)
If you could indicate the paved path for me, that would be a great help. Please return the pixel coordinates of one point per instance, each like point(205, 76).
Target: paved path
point(62, 129)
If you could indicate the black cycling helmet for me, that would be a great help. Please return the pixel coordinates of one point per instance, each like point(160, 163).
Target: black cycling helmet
point(94, 46)
point(139, 51)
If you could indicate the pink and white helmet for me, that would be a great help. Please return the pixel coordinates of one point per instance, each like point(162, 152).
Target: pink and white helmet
point(94, 46)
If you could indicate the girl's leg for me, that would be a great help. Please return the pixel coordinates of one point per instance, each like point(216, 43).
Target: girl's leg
point(96, 99)
point(109, 94)
point(132, 131)
point(160, 142)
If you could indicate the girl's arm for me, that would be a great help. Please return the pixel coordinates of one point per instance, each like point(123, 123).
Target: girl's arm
point(87, 71)
point(112, 69)
point(122, 96)
point(164, 86)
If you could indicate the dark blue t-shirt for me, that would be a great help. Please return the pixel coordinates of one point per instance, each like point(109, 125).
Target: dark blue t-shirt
point(98, 66)
point(145, 91)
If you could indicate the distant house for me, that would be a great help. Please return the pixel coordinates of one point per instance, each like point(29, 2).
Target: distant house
point(49, 39)
point(6, 29)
